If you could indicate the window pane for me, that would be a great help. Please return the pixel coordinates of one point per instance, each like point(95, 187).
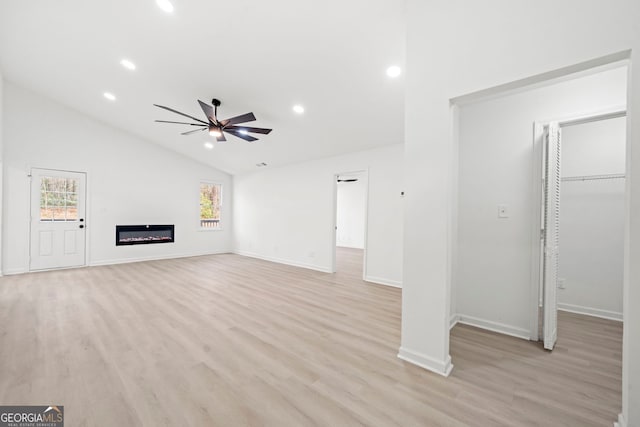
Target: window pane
point(45, 214)
point(210, 205)
point(58, 199)
point(72, 212)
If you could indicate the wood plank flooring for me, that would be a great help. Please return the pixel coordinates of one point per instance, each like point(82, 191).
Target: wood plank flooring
point(226, 340)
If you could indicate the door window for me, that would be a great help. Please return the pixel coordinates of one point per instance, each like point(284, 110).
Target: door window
point(58, 199)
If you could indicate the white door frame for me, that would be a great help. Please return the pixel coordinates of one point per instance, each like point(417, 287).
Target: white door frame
point(364, 172)
point(86, 210)
point(538, 203)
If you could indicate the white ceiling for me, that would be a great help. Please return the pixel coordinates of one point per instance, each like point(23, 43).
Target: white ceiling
point(259, 56)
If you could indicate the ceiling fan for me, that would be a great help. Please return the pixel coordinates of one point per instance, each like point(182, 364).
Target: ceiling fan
point(216, 127)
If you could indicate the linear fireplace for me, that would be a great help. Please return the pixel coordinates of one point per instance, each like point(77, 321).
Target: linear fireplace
point(144, 234)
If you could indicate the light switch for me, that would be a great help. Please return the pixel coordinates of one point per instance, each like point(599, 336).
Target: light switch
point(503, 211)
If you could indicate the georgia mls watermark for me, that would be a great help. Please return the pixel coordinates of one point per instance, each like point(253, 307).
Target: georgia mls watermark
point(31, 416)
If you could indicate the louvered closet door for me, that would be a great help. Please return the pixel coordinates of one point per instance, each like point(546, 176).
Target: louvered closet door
point(551, 234)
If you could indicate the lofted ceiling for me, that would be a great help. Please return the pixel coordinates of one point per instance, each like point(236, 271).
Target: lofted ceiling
point(260, 56)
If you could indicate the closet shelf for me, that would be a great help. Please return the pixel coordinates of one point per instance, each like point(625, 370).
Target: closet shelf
point(593, 177)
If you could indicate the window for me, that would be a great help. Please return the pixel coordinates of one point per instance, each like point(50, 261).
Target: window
point(58, 199)
point(210, 204)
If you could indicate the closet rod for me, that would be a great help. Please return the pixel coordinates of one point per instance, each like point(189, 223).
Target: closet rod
point(593, 177)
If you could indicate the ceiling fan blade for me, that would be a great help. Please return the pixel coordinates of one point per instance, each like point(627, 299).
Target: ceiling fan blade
point(182, 114)
point(249, 117)
point(241, 136)
point(193, 131)
point(208, 111)
point(179, 123)
point(221, 138)
point(249, 129)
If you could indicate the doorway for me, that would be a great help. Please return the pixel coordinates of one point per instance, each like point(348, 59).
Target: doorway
point(58, 227)
point(351, 189)
point(583, 208)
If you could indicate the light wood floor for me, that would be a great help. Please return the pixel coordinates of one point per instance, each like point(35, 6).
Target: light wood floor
point(231, 341)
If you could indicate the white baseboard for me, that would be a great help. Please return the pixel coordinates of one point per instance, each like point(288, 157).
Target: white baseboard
point(588, 311)
point(151, 258)
point(14, 271)
point(381, 281)
point(339, 245)
point(453, 321)
point(489, 325)
point(439, 367)
point(284, 261)
point(621, 422)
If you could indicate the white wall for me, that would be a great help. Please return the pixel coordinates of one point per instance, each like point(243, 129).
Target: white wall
point(1, 161)
point(459, 47)
point(496, 158)
point(287, 214)
point(350, 212)
point(592, 219)
point(129, 181)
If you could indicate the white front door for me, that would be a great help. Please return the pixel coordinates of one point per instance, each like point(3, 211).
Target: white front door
point(58, 225)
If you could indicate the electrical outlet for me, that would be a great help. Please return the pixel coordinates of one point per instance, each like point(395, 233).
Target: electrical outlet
point(561, 283)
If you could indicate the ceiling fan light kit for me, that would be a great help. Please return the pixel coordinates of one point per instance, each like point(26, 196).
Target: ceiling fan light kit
point(217, 128)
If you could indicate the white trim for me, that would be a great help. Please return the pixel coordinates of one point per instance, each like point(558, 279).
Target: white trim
point(615, 60)
point(489, 325)
point(621, 422)
point(439, 367)
point(14, 271)
point(152, 258)
point(366, 224)
point(588, 311)
point(453, 320)
point(334, 224)
point(283, 261)
point(535, 301)
point(121, 261)
point(349, 247)
point(365, 174)
point(220, 220)
point(385, 282)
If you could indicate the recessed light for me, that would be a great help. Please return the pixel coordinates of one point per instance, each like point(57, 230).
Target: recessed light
point(109, 96)
point(298, 109)
point(165, 5)
point(208, 145)
point(128, 64)
point(394, 71)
